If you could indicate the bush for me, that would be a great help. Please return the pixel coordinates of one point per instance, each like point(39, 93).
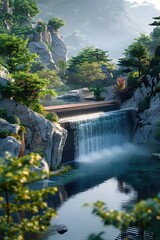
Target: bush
point(56, 23)
point(13, 119)
point(38, 108)
point(52, 116)
point(5, 134)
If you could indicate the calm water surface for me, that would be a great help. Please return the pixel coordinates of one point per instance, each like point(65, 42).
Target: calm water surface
point(119, 176)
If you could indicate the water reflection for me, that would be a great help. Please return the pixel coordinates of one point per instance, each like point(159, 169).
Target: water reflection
point(119, 176)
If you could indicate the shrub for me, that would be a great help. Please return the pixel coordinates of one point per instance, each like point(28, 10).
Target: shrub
point(52, 116)
point(97, 92)
point(56, 23)
point(17, 199)
point(13, 119)
point(38, 108)
point(5, 134)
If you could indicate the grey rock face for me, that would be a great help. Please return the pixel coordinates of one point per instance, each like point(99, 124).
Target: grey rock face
point(110, 94)
point(41, 49)
point(43, 134)
point(10, 145)
point(4, 125)
point(147, 120)
point(59, 47)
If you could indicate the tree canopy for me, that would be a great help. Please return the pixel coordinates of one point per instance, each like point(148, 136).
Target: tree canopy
point(136, 57)
point(14, 54)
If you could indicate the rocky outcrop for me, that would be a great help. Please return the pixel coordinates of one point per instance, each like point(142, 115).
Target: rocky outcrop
point(147, 123)
point(77, 95)
point(48, 44)
point(42, 135)
point(4, 76)
point(148, 113)
point(59, 52)
point(9, 145)
point(11, 128)
point(45, 55)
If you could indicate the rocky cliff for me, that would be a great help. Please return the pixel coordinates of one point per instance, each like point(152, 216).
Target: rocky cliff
point(146, 100)
point(48, 44)
point(42, 136)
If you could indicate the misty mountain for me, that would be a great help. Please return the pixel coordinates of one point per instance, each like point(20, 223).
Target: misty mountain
point(111, 25)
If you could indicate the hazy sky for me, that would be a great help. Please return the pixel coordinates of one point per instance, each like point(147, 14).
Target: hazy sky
point(155, 2)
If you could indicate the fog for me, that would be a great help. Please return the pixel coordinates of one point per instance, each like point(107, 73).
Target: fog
point(108, 24)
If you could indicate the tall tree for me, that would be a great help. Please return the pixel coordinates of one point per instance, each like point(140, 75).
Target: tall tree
point(136, 57)
point(87, 66)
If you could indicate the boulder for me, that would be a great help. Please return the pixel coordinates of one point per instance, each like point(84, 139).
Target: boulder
point(45, 55)
point(43, 135)
point(9, 145)
point(61, 228)
point(77, 95)
point(11, 128)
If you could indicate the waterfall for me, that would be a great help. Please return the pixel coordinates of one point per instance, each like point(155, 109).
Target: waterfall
point(93, 133)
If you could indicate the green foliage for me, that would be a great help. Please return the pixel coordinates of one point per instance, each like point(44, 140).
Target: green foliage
point(132, 81)
point(39, 108)
point(3, 113)
point(89, 55)
point(27, 88)
point(52, 116)
point(17, 199)
point(97, 92)
point(144, 104)
point(14, 54)
point(6, 133)
point(13, 119)
point(21, 30)
point(25, 8)
point(156, 33)
point(40, 27)
point(143, 215)
point(52, 77)
point(56, 23)
point(86, 74)
point(37, 66)
point(136, 57)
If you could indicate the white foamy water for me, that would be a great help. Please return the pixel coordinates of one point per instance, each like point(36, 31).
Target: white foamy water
point(98, 132)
